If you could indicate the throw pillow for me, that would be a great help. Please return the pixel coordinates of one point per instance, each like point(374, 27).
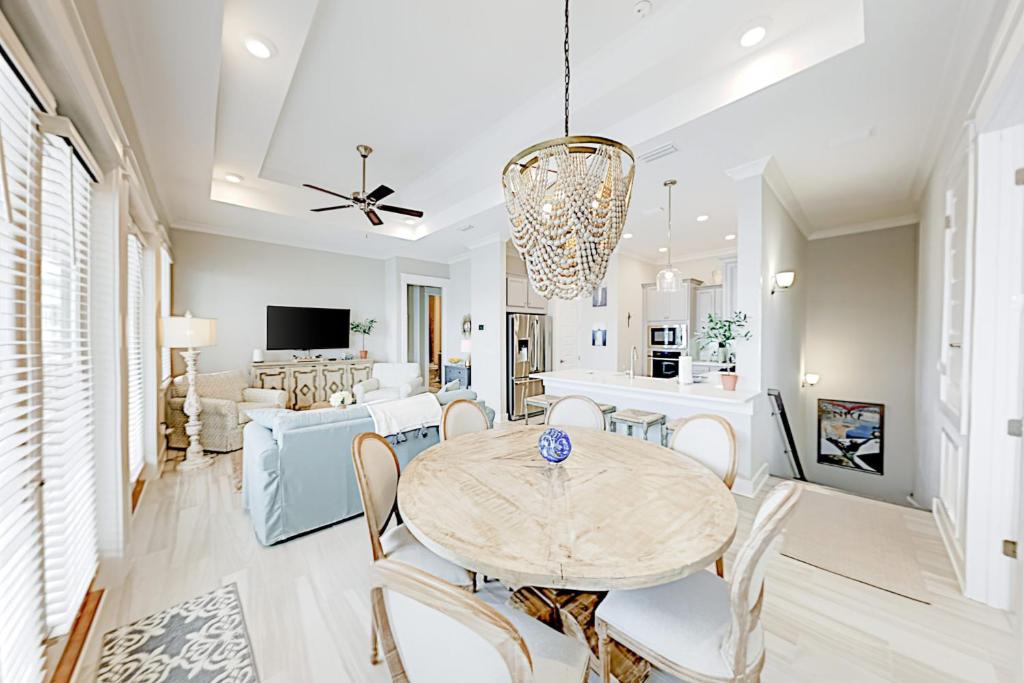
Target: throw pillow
point(452, 386)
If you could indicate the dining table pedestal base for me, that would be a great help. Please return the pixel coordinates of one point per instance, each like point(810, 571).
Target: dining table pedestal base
point(572, 613)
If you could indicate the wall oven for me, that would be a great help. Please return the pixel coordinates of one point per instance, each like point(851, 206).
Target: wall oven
point(667, 336)
point(663, 364)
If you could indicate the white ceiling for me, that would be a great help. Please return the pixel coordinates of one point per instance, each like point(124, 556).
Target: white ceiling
point(849, 96)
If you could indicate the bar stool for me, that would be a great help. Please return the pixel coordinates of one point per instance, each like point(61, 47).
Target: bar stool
point(607, 410)
point(542, 401)
point(669, 430)
point(633, 418)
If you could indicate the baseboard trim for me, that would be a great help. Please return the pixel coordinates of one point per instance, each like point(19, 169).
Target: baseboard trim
point(749, 487)
point(67, 666)
point(945, 527)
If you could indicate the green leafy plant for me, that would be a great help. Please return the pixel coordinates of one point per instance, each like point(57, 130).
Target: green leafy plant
point(722, 332)
point(364, 328)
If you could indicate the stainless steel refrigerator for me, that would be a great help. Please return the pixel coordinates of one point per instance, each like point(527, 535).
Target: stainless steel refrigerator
point(529, 351)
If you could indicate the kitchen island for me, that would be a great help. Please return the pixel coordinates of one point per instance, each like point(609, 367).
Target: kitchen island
point(674, 400)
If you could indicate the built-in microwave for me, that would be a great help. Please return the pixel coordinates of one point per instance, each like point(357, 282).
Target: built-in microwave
point(667, 336)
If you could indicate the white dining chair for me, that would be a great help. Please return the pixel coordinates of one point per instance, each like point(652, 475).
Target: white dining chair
point(702, 628)
point(711, 441)
point(377, 471)
point(433, 632)
point(575, 411)
point(462, 417)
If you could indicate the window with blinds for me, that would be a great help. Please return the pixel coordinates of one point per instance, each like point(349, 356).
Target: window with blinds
point(136, 383)
point(69, 520)
point(22, 616)
point(165, 309)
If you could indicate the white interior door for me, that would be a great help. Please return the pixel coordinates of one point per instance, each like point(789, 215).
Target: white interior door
point(567, 334)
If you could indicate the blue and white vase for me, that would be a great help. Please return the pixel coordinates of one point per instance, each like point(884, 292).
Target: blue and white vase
point(554, 445)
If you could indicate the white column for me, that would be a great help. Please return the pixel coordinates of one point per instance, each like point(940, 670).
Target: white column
point(487, 309)
point(109, 364)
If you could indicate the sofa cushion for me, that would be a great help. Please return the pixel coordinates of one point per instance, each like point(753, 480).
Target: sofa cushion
point(246, 408)
point(298, 419)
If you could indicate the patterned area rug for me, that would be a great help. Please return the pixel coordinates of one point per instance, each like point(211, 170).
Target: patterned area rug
point(203, 640)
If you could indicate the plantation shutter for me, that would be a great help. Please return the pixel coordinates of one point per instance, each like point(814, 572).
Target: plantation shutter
point(136, 385)
point(69, 496)
point(22, 616)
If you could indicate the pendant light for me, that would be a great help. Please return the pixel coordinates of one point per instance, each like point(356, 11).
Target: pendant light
point(567, 200)
point(669, 277)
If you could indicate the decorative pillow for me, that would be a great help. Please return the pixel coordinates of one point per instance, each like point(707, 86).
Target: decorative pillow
point(266, 417)
point(452, 386)
point(446, 397)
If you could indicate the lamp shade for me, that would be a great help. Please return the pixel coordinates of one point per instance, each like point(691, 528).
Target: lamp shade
point(466, 345)
point(186, 332)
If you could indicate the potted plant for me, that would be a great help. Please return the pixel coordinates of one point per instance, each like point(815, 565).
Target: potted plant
point(720, 333)
point(364, 328)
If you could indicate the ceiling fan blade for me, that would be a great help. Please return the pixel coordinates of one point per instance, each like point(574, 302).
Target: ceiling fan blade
point(380, 193)
point(332, 208)
point(399, 209)
point(374, 218)
point(320, 189)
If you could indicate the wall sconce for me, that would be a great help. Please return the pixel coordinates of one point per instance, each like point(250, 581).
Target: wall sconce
point(783, 280)
point(811, 378)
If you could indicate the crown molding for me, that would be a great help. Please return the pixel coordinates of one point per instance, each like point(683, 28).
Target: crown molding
point(870, 226)
point(710, 253)
point(768, 169)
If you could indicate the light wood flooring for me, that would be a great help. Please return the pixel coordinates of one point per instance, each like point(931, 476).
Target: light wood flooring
point(307, 606)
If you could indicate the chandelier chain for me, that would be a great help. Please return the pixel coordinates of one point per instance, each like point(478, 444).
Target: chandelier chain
point(567, 75)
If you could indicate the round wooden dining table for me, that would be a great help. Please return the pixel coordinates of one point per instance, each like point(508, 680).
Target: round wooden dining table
point(617, 513)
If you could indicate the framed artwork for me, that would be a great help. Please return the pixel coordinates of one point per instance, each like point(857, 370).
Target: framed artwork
point(599, 336)
point(851, 435)
point(599, 299)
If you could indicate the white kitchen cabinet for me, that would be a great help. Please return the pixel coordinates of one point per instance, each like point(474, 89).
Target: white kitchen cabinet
point(516, 292)
point(656, 307)
point(709, 301)
point(729, 286)
point(534, 301)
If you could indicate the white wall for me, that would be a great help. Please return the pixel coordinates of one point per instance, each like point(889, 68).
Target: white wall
point(234, 281)
point(861, 297)
point(632, 274)
point(459, 288)
point(487, 306)
point(783, 320)
point(708, 270)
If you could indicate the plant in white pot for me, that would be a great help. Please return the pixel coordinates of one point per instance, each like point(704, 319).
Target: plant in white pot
point(364, 328)
point(720, 334)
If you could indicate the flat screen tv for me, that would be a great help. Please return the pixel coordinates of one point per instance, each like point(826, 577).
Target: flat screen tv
point(293, 327)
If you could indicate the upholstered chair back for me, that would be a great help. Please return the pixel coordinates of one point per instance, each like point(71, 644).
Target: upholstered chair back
point(377, 472)
point(575, 411)
point(395, 374)
point(433, 631)
point(226, 385)
point(747, 590)
point(711, 441)
point(462, 417)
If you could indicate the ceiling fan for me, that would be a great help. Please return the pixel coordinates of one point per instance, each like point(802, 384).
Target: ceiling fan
point(367, 203)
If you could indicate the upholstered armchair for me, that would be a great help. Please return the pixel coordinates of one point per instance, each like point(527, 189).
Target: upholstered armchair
point(389, 382)
point(225, 397)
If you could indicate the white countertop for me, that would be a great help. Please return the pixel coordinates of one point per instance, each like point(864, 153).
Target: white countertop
point(666, 389)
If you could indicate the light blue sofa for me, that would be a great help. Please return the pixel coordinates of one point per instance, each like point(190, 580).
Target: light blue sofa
point(298, 476)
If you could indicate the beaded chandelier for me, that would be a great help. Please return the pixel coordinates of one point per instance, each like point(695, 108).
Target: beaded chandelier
point(567, 200)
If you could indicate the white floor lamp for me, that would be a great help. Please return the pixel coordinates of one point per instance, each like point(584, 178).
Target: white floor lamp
point(186, 332)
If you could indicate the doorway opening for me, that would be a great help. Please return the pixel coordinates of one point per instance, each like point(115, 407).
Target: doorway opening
point(425, 332)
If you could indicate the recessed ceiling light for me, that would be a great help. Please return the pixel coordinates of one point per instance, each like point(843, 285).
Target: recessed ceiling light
point(753, 36)
point(258, 47)
point(730, 237)
point(233, 178)
point(662, 250)
point(627, 235)
point(411, 221)
point(703, 217)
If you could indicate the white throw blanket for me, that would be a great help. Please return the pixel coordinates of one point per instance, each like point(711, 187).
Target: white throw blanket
point(414, 412)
